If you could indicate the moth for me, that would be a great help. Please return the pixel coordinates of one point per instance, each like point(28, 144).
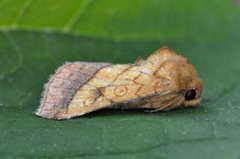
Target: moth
point(163, 81)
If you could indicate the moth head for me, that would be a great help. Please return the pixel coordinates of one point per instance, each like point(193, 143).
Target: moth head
point(191, 86)
point(177, 68)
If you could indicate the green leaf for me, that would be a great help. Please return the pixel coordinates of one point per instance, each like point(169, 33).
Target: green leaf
point(204, 31)
point(198, 20)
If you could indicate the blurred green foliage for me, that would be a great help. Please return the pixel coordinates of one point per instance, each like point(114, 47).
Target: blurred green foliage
point(38, 36)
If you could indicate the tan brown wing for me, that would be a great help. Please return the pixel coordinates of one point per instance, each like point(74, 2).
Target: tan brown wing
point(125, 86)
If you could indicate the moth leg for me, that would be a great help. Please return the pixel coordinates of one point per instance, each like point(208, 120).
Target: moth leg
point(175, 103)
point(156, 110)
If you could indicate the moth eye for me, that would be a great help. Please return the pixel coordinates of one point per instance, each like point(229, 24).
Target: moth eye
point(190, 94)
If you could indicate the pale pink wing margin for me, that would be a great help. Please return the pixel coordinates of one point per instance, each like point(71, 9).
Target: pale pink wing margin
point(63, 85)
